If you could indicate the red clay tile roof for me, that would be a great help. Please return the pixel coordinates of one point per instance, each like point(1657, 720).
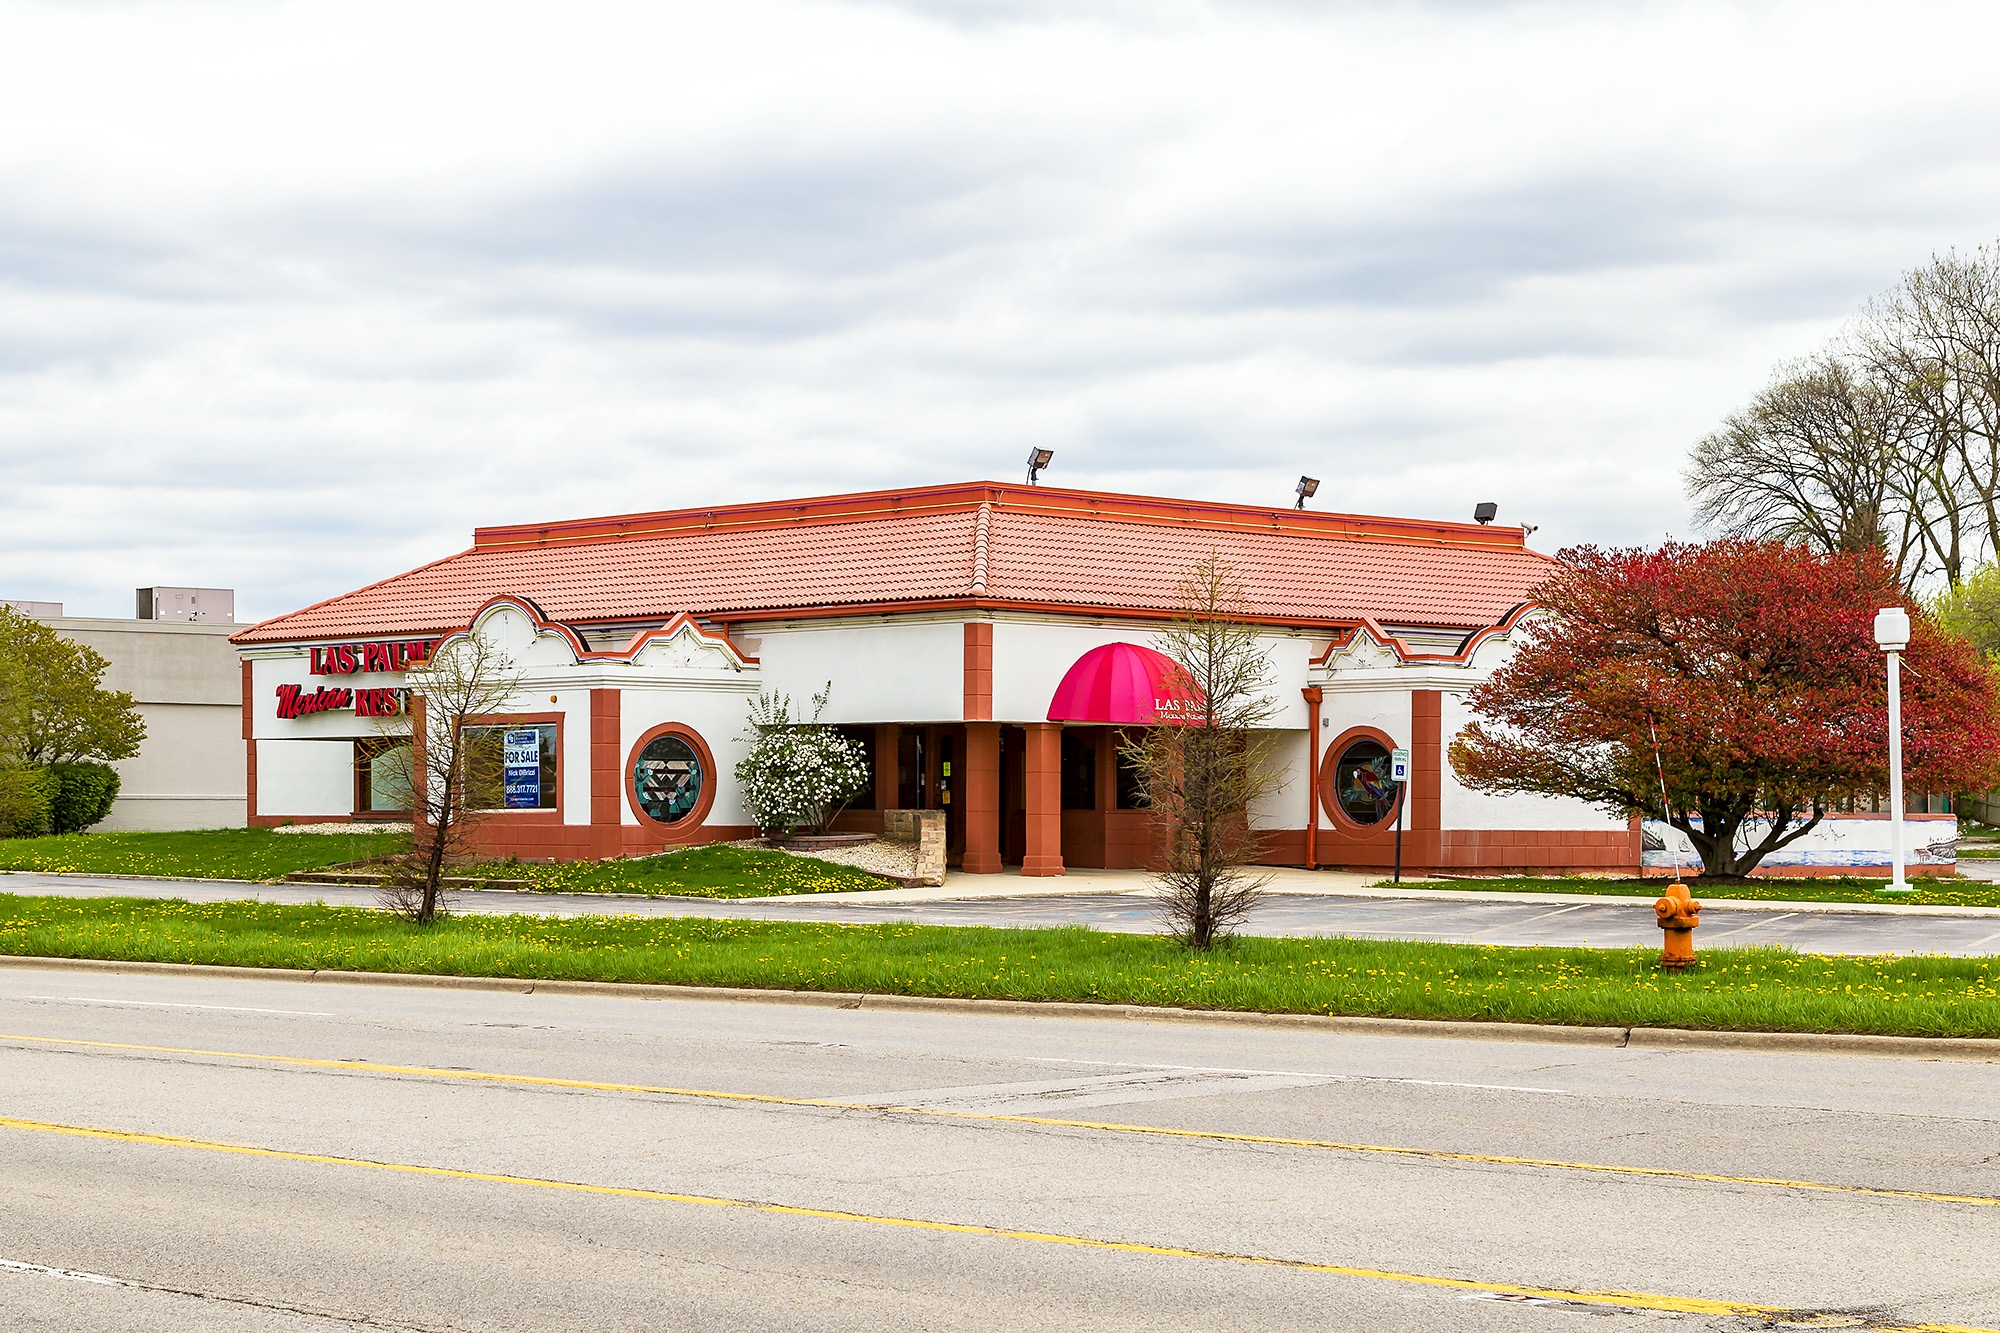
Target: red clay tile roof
point(1043, 547)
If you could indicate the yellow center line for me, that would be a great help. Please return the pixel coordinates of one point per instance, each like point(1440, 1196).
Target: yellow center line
point(1624, 1300)
point(1101, 1126)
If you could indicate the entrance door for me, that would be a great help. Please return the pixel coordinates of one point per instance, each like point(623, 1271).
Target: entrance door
point(1013, 795)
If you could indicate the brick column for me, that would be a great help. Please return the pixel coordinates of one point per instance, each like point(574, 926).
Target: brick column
point(1426, 778)
point(1314, 697)
point(978, 670)
point(981, 793)
point(1043, 854)
point(607, 786)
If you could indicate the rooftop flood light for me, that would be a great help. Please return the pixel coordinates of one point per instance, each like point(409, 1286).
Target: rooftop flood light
point(1308, 486)
point(1037, 460)
point(1485, 512)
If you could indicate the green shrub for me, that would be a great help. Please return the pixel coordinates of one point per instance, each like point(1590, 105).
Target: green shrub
point(84, 795)
point(27, 796)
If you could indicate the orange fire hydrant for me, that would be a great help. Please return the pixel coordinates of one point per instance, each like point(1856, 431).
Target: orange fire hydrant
point(1679, 915)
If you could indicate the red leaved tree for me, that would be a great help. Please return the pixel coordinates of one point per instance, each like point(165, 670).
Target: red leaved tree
point(1756, 664)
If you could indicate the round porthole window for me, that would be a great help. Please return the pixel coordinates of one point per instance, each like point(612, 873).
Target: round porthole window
point(1361, 783)
point(667, 779)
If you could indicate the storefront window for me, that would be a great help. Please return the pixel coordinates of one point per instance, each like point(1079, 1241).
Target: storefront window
point(667, 779)
point(512, 767)
point(382, 779)
point(1130, 778)
point(1361, 780)
point(863, 737)
point(1079, 773)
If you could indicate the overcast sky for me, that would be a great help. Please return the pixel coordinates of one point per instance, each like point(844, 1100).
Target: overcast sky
point(292, 296)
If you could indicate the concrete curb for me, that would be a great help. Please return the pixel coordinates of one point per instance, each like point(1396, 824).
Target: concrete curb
point(1803, 1043)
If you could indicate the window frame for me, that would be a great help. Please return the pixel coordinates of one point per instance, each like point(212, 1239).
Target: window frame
point(505, 721)
point(1328, 782)
point(703, 802)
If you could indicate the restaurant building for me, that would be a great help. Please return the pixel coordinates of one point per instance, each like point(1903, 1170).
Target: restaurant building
point(981, 641)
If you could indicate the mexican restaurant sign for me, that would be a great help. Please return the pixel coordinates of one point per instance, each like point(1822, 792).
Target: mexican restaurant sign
point(345, 659)
point(297, 701)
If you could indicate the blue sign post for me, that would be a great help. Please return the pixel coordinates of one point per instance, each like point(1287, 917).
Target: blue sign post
point(1399, 773)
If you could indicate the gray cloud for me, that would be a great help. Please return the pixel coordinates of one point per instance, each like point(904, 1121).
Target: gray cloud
point(1432, 254)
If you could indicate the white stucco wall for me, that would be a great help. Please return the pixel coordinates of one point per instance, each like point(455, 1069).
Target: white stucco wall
point(894, 672)
point(1387, 710)
point(305, 778)
point(1285, 805)
point(1030, 659)
point(1466, 809)
point(717, 714)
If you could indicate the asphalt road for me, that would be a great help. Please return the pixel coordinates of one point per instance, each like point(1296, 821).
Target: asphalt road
point(208, 1154)
point(1605, 925)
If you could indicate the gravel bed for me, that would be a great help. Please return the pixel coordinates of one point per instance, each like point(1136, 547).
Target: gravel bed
point(369, 827)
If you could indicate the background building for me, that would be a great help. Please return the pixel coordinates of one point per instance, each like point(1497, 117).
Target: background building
point(184, 677)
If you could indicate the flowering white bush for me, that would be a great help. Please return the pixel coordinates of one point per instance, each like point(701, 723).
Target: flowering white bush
point(797, 775)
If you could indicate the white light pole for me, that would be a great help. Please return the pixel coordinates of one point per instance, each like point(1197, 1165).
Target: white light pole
point(1892, 634)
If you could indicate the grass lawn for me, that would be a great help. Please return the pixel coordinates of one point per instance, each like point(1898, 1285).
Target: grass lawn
point(1844, 889)
point(715, 871)
point(1763, 989)
point(253, 854)
point(260, 854)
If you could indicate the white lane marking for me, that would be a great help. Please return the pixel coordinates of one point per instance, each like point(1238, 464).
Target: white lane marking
point(1516, 925)
point(1988, 940)
point(164, 1004)
point(68, 1274)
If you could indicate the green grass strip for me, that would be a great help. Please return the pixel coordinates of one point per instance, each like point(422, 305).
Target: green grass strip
point(1751, 989)
point(247, 854)
point(716, 871)
point(1844, 889)
point(262, 855)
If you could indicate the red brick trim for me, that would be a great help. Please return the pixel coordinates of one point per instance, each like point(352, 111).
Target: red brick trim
point(1042, 854)
point(978, 671)
point(687, 824)
point(982, 798)
point(606, 722)
point(1314, 696)
point(1426, 760)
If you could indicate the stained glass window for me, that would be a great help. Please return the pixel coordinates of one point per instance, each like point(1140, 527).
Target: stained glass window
point(667, 779)
point(1361, 783)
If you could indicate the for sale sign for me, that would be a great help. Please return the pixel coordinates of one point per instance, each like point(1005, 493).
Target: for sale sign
point(521, 760)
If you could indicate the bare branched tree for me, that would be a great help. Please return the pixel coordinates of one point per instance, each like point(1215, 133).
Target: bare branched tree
point(457, 771)
point(1889, 437)
point(1936, 339)
point(1207, 760)
point(1822, 456)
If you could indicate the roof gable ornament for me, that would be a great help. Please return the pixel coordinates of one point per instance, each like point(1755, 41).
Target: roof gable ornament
point(683, 645)
point(522, 630)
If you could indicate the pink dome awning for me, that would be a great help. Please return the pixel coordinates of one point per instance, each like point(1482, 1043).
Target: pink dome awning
point(1121, 684)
